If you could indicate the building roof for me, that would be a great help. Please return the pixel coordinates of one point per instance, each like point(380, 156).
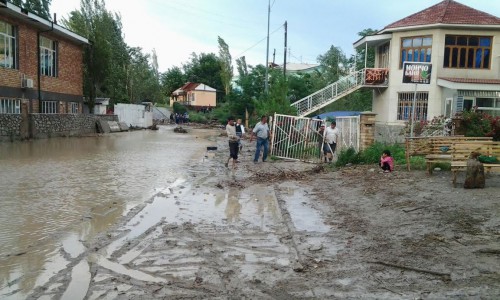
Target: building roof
point(446, 12)
point(471, 80)
point(36, 21)
point(298, 67)
point(193, 86)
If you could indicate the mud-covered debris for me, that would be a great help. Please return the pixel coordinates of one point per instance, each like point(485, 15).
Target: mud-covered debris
point(198, 280)
point(180, 130)
point(280, 175)
point(298, 267)
point(219, 185)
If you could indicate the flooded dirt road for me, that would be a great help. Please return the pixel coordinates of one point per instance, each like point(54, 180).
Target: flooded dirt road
point(274, 230)
point(57, 194)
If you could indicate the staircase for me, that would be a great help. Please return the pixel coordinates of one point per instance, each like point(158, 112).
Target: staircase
point(330, 93)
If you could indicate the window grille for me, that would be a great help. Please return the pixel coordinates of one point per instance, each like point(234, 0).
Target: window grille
point(49, 107)
point(73, 107)
point(10, 106)
point(405, 104)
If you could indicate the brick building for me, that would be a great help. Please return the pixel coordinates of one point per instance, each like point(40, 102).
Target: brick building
point(41, 65)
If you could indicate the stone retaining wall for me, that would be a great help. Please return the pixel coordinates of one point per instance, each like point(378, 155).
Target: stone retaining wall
point(39, 126)
point(10, 126)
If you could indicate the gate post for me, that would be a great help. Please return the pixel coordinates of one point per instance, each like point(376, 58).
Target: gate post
point(367, 129)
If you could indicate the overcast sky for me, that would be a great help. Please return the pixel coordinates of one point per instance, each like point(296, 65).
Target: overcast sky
point(177, 28)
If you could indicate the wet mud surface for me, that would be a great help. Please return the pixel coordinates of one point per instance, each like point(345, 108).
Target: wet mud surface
point(291, 230)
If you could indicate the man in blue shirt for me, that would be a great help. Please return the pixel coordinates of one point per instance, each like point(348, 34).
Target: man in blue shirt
point(261, 131)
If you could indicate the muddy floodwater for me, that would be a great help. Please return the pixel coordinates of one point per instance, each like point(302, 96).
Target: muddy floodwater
point(57, 194)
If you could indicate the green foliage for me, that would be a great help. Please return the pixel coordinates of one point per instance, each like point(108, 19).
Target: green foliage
point(476, 123)
point(196, 117)
point(38, 7)
point(417, 163)
point(204, 68)
point(372, 154)
point(221, 113)
point(226, 65)
point(348, 156)
point(171, 80)
point(179, 108)
point(112, 68)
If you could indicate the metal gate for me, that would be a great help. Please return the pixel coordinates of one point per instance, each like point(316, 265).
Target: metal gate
point(296, 138)
point(349, 133)
point(299, 138)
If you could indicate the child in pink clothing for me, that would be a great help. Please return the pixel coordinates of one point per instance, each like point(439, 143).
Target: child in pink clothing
point(387, 162)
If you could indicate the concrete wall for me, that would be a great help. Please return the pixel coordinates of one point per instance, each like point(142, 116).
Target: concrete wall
point(39, 126)
point(134, 115)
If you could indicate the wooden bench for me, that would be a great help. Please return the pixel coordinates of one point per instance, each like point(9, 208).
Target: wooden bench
point(461, 150)
point(435, 149)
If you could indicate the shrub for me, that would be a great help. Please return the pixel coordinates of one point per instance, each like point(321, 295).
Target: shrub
point(476, 123)
point(179, 108)
point(196, 117)
point(348, 156)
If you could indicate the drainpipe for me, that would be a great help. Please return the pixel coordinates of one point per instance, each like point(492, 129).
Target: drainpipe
point(40, 63)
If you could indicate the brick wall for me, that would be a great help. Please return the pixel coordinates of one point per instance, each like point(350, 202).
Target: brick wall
point(69, 80)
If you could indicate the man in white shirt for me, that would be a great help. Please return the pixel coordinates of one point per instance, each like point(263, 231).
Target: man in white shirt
point(233, 142)
point(331, 138)
point(261, 131)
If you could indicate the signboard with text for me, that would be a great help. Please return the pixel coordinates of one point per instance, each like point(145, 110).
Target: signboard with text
point(417, 72)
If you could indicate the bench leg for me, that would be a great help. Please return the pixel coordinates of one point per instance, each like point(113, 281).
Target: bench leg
point(429, 168)
point(454, 178)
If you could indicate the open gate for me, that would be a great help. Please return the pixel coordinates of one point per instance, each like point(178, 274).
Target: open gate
point(298, 137)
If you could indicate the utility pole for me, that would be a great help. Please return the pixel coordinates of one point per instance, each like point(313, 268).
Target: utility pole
point(284, 63)
point(266, 86)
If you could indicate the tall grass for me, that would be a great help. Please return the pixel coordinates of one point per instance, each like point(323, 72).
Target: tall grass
point(371, 155)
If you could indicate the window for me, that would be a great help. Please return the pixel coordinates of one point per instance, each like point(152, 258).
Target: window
point(405, 103)
point(383, 56)
point(48, 57)
point(49, 107)
point(417, 49)
point(10, 106)
point(7, 46)
point(73, 107)
point(467, 52)
point(490, 106)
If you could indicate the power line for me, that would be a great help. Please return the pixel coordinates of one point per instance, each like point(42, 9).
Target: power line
point(239, 55)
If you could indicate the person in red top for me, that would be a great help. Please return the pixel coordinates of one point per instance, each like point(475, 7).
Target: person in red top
point(387, 162)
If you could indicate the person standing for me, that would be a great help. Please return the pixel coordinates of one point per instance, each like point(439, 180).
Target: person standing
point(331, 138)
point(261, 131)
point(233, 142)
point(240, 131)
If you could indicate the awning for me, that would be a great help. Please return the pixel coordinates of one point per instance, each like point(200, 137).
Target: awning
point(469, 84)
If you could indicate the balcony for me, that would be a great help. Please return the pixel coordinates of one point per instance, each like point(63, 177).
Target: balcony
point(376, 77)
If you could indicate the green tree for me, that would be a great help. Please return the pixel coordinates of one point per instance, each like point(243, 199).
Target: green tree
point(204, 68)
point(359, 62)
point(171, 80)
point(226, 65)
point(143, 82)
point(107, 60)
point(333, 63)
point(38, 7)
